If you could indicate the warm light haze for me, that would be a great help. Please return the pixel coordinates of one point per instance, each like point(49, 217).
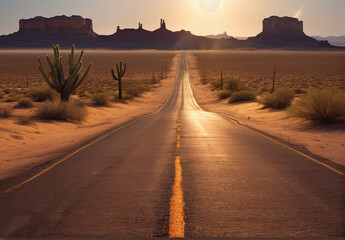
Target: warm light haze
point(201, 17)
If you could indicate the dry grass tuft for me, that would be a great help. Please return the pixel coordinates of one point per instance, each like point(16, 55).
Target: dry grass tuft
point(134, 90)
point(24, 120)
point(42, 94)
point(100, 99)
point(63, 111)
point(14, 97)
point(279, 99)
point(25, 102)
point(5, 111)
point(320, 107)
point(243, 95)
point(224, 94)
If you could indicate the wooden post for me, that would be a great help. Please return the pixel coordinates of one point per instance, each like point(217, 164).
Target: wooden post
point(274, 79)
point(221, 79)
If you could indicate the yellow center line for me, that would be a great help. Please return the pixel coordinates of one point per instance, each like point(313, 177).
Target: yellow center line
point(176, 218)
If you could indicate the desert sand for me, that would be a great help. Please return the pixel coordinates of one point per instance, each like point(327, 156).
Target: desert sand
point(23, 147)
point(327, 141)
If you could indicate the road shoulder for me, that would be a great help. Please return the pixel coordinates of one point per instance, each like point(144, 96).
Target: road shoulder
point(327, 142)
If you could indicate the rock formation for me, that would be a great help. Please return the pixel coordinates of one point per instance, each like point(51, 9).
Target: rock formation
point(56, 25)
point(40, 32)
point(284, 32)
point(285, 26)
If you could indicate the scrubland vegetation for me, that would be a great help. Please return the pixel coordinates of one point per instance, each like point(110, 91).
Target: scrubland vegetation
point(145, 69)
point(320, 106)
point(279, 80)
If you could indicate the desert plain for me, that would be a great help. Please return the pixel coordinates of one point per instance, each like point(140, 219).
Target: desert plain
point(26, 144)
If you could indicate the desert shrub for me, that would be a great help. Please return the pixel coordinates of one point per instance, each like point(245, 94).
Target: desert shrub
point(25, 102)
point(280, 98)
point(320, 107)
point(5, 111)
point(243, 95)
point(101, 99)
point(14, 97)
point(154, 79)
point(233, 85)
point(41, 94)
point(136, 89)
point(24, 120)
point(58, 110)
point(224, 94)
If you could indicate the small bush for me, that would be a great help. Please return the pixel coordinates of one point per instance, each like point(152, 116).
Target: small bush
point(320, 107)
point(14, 97)
point(280, 98)
point(24, 121)
point(233, 85)
point(25, 103)
point(224, 94)
point(100, 99)
point(5, 111)
point(136, 89)
point(41, 94)
point(243, 95)
point(65, 111)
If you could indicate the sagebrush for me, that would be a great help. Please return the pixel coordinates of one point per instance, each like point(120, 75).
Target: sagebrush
point(243, 95)
point(279, 99)
point(320, 106)
point(60, 110)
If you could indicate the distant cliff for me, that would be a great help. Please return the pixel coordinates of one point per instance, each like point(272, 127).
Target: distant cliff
point(285, 32)
point(40, 32)
point(56, 25)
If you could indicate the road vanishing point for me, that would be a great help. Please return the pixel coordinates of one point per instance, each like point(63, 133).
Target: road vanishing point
point(179, 172)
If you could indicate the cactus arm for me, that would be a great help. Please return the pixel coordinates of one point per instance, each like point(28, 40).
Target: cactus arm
point(70, 60)
point(61, 78)
point(114, 75)
point(39, 62)
point(124, 70)
point(46, 79)
point(81, 80)
point(50, 63)
point(118, 70)
point(80, 58)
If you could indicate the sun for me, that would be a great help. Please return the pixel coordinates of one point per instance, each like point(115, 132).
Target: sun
point(209, 5)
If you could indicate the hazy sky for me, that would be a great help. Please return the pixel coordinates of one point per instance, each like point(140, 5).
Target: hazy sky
point(236, 17)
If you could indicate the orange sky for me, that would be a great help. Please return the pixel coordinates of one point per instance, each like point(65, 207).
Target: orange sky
point(237, 17)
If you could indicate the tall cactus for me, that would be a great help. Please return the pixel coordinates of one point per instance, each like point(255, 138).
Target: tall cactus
point(57, 80)
point(120, 71)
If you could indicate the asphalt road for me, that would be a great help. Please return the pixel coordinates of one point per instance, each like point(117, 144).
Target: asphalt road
point(181, 172)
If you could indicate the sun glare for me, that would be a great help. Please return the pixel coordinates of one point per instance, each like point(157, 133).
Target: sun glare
point(209, 5)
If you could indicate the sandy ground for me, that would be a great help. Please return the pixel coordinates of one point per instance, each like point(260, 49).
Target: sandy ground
point(25, 146)
point(327, 141)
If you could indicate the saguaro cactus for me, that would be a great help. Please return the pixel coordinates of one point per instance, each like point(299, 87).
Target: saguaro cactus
point(120, 71)
point(57, 80)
